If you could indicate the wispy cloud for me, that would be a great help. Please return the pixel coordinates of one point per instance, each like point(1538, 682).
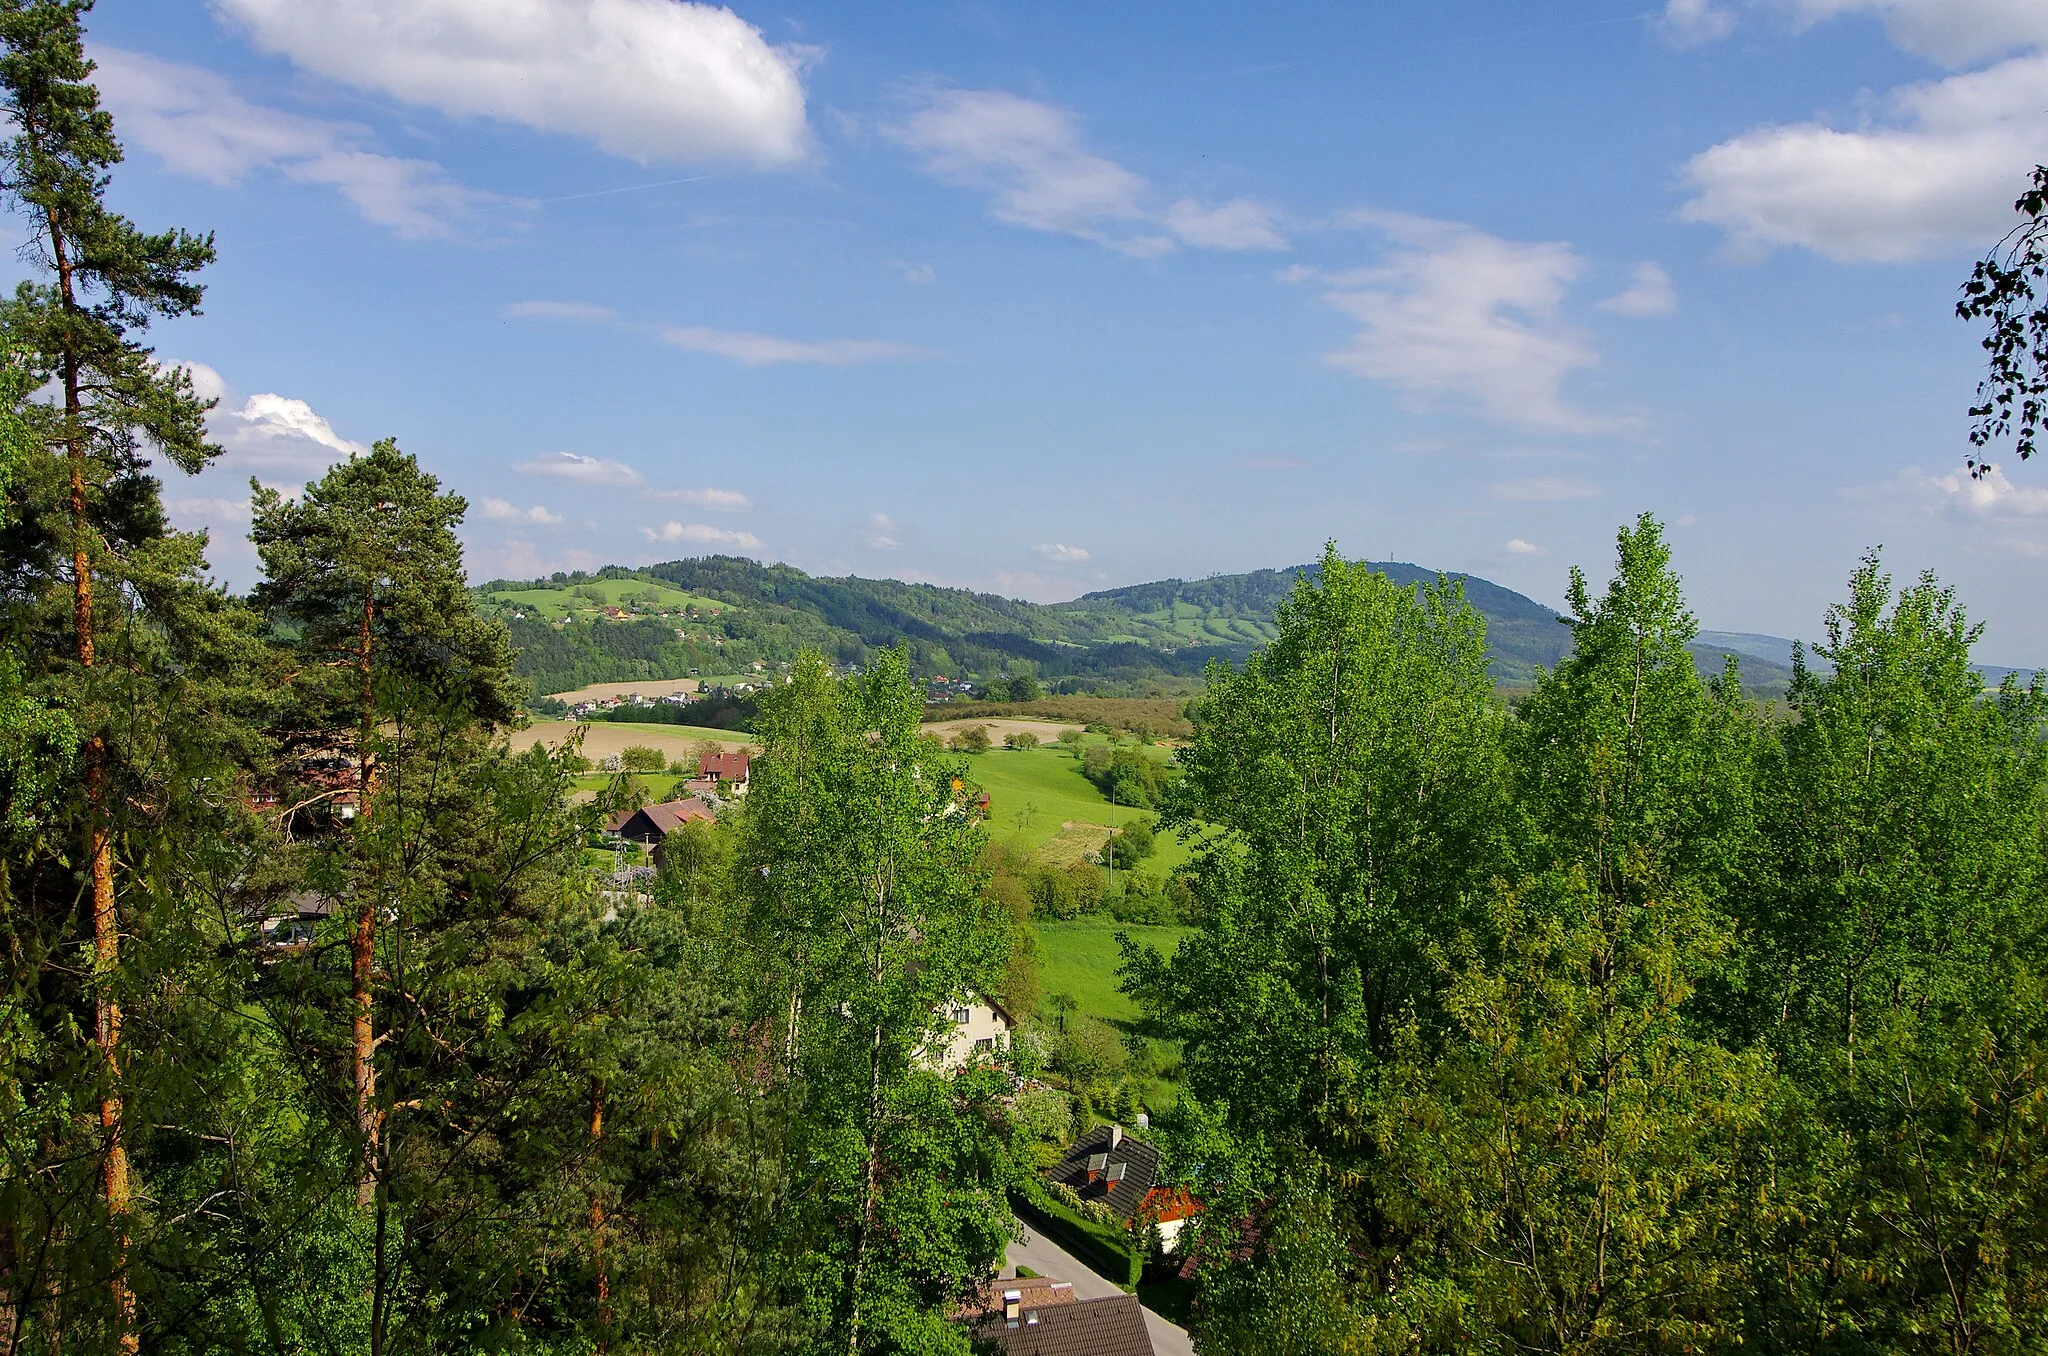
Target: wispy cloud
point(193, 120)
point(701, 534)
point(751, 349)
point(883, 533)
point(1033, 162)
point(1649, 293)
point(1061, 553)
point(581, 469)
point(504, 511)
point(1517, 547)
point(720, 501)
point(1694, 23)
point(1451, 311)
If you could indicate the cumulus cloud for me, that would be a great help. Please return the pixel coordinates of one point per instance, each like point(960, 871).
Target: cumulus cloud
point(762, 350)
point(1934, 171)
point(648, 80)
point(1952, 32)
point(585, 470)
point(884, 533)
point(504, 511)
point(1034, 164)
point(2013, 517)
point(194, 121)
point(1649, 293)
point(558, 310)
point(1452, 312)
point(1694, 23)
point(1517, 547)
point(1543, 490)
point(721, 501)
point(1062, 553)
point(702, 534)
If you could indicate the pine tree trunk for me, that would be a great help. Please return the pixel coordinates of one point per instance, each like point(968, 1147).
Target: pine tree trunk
point(106, 926)
point(363, 945)
point(604, 1279)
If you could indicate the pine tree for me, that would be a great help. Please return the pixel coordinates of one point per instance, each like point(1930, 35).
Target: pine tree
point(366, 570)
point(102, 282)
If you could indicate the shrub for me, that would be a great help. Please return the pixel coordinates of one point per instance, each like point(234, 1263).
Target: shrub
point(973, 739)
point(1020, 739)
point(1042, 1114)
point(1090, 1052)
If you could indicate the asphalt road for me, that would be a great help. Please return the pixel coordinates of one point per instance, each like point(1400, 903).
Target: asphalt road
point(1048, 1258)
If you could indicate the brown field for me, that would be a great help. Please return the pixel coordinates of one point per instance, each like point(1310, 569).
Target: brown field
point(649, 688)
point(603, 738)
point(1047, 731)
point(1154, 717)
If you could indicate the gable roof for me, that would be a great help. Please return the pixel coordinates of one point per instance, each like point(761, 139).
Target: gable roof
point(652, 823)
point(1138, 1160)
point(730, 767)
point(1100, 1327)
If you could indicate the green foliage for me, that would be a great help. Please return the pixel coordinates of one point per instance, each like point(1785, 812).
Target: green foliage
point(971, 739)
point(640, 758)
point(2005, 293)
point(1020, 739)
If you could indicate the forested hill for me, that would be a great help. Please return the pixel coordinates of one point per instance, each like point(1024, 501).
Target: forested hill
point(720, 614)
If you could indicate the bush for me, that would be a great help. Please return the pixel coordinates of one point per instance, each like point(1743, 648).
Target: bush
point(973, 739)
point(1132, 845)
point(1089, 1053)
point(1042, 1114)
point(1065, 892)
point(1020, 739)
point(640, 758)
point(1071, 736)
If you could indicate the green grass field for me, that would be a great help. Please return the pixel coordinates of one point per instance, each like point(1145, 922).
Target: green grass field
point(1081, 959)
point(1032, 792)
point(554, 604)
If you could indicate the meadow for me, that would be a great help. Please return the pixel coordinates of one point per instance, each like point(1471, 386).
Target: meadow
point(1080, 959)
point(577, 600)
point(1034, 793)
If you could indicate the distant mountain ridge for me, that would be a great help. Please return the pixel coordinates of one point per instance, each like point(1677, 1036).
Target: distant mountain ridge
point(721, 614)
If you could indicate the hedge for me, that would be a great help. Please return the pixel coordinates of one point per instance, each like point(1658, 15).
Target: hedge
point(1108, 1251)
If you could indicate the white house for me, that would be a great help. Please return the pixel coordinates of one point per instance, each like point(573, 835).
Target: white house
point(975, 1025)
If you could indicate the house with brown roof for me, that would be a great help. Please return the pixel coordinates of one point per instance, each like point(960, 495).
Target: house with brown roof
point(652, 823)
point(729, 768)
point(1038, 1318)
point(1123, 1173)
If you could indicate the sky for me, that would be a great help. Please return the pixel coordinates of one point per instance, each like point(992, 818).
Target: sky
point(1045, 298)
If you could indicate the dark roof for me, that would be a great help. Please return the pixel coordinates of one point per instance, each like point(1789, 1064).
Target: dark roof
point(652, 823)
point(1139, 1160)
point(1100, 1327)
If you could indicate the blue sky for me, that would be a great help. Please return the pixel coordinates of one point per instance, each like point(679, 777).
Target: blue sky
point(1052, 297)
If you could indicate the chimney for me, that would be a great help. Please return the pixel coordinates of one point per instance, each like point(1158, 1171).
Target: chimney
point(1116, 1135)
point(1013, 1300)
point(1144, 1121)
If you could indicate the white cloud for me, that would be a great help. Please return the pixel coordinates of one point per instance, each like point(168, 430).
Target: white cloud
point(884, 533)
point(210, 511)
point(649, 80)
point(762, 350)
point(1937, 173)
point(1694, 23)
point(1061, 553)
point(1952, 32)
point(1649, 293)
point(195, 122)
point(1517, 547)
point(558, 310)
point(586, 470)
point(1034, 164)
point(702, 534)
point(1456, 313)
point(1990, 508)
point(503, 511)
point(918, 275)
point(721, 501)
point(1543, 490)
point(1240, 224)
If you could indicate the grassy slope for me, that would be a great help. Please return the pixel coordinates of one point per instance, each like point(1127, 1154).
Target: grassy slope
point(1032, 792)
point(553, 604)
point(1081, 959)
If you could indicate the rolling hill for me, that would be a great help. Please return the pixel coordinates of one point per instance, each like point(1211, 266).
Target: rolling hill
point(722, 615)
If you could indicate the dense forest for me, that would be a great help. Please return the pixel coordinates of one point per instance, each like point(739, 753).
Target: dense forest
point(1635, 1017)
point(1120, 642)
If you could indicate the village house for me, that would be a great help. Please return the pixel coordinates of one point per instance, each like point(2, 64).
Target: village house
point(1038, 1316)
point(1110, 1166)
point(651, 823)
point(729, 768)
point(976, 1026)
